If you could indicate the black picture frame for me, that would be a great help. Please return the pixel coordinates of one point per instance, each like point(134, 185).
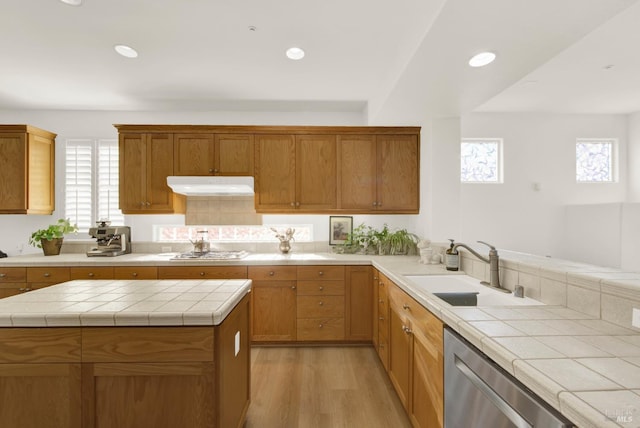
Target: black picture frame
point(339, 228)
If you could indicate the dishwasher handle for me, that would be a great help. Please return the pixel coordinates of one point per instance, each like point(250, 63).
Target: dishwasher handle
point(500, 403)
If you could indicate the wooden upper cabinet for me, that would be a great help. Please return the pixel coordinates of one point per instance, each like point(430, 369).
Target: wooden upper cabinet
point(296, 173)
point(27, 166)
point(358, 172)
point(213, 154)
point(316, 172)
point(379, 173)
point(275, 172)
point(146, 160)
point(398, 173)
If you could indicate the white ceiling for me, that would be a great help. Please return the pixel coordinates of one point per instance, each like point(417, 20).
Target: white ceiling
point(398, 61)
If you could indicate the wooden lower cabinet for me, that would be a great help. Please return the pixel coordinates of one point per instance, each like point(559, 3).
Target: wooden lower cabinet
point(40, 377)
point(127, 377)
point(359, 303)
point(273, 303)
point(416, 365)
point(93, 272)
point(202, 272)
point(13, 280)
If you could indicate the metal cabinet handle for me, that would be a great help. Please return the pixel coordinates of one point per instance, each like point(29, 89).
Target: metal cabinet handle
point(321, 288)
point(381, 318)
point(215, 170)
point(321, 303)
point(211, 170)
point(297, 204)
point(201, 273)
point(293, 287)
point(91, 274)
point(380, 301)
point(271, 273)
point(46, 274)
point(22, 289)
point(379, 204)
point(374, 203)
point(134, 274)
point(148, 203)
point(2, 275)
point(406, 307)
point(320, 273)
point(407, 329)
point(320, 326)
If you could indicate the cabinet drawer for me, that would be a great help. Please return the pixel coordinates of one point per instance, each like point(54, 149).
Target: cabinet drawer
point(320, 288)
point(15, 274)
point(203, 272)
point(91, 272)
point(48, 275)
point(139, 272)
point(272, 273)
point(321, 272)
point(421, 318)
point(320, 306)
point(320, 329)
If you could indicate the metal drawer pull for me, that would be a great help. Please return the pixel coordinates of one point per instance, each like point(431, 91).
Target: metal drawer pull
point(320, 326)
point(406, 329)
point(497, 401)
point(321, 303)
point(134, 274)
point(320, 273)
point(271, 273)
point(2, 275)
point(381, 318)
point(91, 274)
point(406, 307)
point(293, 287)
point(46, 275)
point(321, 288)
point(201, 273)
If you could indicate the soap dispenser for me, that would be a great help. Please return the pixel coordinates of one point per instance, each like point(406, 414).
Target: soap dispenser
point(451, 258)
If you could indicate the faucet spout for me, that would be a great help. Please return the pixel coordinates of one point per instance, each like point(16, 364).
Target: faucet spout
point(493, 261)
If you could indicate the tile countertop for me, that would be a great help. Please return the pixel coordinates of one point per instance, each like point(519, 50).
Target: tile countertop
point(587, 368)
point(125, 303)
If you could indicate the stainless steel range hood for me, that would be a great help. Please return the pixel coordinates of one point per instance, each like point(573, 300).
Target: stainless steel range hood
point(211, 185)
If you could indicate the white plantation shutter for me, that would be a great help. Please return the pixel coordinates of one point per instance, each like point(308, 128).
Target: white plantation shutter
point(91, 182)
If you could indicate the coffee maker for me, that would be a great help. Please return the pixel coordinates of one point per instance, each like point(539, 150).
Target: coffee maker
point(111, 240)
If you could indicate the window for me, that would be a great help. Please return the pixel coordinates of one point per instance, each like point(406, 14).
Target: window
point(91, 182)
point(481, 160)
point(304, 233)
point(595, 160)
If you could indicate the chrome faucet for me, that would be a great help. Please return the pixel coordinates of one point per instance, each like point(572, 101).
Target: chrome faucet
point(492, 260)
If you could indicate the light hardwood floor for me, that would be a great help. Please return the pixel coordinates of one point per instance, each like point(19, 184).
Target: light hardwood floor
point(321, 387)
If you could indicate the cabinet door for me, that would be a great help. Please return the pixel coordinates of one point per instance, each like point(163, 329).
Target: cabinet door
point(427, 402)
point(13, 189)
point(102, 272)
point(193, 154)
point(159, 167)
point(133, 173)
point(41, 175)
point(275, 172)
point(357, 172)
point(398, 173)
point(359, 303)
point(400, 349)
point(273, 308)
point(316, 172)
point(234, 154)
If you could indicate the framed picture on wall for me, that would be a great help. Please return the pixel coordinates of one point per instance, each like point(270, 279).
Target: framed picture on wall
point(339, 228)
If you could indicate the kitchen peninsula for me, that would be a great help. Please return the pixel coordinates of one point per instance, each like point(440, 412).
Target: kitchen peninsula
point(125, 353)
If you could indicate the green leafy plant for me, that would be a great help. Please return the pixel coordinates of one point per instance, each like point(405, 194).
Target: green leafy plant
point(401, 242)
point(54, 231)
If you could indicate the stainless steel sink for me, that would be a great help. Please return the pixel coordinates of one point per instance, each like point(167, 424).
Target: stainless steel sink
point(448, 286)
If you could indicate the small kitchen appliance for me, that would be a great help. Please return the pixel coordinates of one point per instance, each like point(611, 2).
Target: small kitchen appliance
point(111, 240)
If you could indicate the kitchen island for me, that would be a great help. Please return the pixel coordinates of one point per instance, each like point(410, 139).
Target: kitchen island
point(145, 353)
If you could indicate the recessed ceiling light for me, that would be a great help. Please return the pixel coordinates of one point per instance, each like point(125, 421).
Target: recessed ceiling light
point(295, 53)
point(482, 59)
point(126, 51)
point(72, 2)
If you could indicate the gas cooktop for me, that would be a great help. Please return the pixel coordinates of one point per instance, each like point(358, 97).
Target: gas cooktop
point(212, 255)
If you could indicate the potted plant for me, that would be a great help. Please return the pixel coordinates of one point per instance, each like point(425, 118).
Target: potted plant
point(400, 242)
point(50, 239)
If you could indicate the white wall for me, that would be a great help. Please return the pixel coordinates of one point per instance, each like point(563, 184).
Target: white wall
point(538, 148)
point(633, 159)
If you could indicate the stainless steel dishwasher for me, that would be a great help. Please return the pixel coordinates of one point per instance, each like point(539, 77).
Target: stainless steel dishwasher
point(479, 394)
